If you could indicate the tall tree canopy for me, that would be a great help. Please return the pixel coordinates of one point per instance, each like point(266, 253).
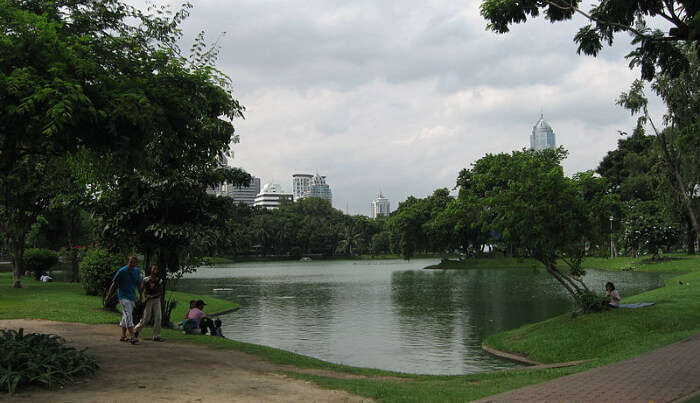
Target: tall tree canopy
point(526, 199)
point(656, 26)
point(105, 77)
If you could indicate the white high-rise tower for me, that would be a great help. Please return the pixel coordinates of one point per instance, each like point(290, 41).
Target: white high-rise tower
point(379, 206)
point(542, 135)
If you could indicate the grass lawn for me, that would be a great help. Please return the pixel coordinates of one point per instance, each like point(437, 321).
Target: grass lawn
point(621, 333)
point(607, 337)
point(67, 302)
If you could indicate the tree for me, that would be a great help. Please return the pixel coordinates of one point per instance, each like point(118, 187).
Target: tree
point(631, 169)
point(678, 143)
point(406, 224)
point(646, 230)
point(655, 47)
point(525, 197)
point(23, 195)
point(82, 75)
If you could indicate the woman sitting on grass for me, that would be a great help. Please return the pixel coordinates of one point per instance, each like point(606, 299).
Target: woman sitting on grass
point(612, 295)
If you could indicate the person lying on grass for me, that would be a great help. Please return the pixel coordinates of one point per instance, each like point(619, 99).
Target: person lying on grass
point(127, 281)
point(153, 290)
point(612, 295)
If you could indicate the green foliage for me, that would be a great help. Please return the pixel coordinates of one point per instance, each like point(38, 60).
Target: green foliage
point(97, 269)
point(632, 168)
point(39, 261)
point(592, 302)
point(410, 224)
point(525, 201)
point(656, 48)
point(30, 359)
point(649, 234)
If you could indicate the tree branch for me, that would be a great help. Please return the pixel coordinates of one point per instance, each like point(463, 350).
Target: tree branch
point(597, 20)
point(674, 16)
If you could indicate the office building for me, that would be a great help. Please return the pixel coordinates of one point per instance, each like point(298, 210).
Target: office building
point(319, 188)
point(243, 194)
point(300, 185)
point(542, 135)
point(272, 196)
point(379, 206)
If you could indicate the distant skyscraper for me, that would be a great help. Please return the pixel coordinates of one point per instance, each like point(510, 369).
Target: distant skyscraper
point(542, 136)
point(300, 185)
point(272, 196)
point(319, 188)
point(379, 206)
point(244, 194)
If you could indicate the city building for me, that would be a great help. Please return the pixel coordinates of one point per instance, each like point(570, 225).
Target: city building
point(272, 196)
point(243, 194)
point(542, 135)
point(319, 188)
point(379, 206)
point(300, 185)
point(305, 185)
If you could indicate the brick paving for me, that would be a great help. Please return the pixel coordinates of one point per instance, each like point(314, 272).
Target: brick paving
point(663, 375)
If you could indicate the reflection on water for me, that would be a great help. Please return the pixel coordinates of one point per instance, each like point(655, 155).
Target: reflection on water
point(390, 314)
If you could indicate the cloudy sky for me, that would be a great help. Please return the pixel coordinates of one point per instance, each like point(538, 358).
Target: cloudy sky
point(400, 96)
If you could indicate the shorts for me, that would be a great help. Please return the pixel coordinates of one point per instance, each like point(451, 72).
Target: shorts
point(127, 313)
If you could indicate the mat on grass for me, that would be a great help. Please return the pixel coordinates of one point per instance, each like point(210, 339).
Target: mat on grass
point(636, 305)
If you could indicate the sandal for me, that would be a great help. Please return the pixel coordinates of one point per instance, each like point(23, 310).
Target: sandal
point(158, 339)
point(134, 341)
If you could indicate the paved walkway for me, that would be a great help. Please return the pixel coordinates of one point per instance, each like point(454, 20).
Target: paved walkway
point(664, 375)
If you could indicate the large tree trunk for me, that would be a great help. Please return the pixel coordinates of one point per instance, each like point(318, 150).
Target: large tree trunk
point(74, 274)
point(692, 236)
point(17, 262)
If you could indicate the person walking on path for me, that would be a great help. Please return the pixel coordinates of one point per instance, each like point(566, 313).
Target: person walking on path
point(127, 281)
point(153, 290)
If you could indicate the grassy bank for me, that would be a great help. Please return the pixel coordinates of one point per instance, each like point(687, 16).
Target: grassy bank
point(67, 302)
point(616, 334)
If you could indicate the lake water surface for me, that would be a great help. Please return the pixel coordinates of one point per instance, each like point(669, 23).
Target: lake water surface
point(390, 314)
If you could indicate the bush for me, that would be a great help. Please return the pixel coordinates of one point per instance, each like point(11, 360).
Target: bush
point(39, 261)
point(97, 269)
point(27, 359)
point(592, 302)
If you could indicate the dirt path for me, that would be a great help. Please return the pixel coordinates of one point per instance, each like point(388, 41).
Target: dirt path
point(663, 375)
point(182, 372)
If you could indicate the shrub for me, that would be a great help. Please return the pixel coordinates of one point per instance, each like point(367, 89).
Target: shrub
point(592, 302)
point(39, 261)
point(33, 358)
point(97, 269)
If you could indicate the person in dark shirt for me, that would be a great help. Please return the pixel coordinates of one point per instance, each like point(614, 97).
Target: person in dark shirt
point(153, 290)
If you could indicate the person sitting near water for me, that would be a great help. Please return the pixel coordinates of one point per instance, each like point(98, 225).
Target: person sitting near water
point(199, 319)
point(217, 326)
point(612, 295)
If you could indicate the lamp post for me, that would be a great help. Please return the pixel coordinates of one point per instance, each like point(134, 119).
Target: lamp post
point(612, 254)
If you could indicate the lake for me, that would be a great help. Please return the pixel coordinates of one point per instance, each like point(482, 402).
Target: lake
point(390, 314)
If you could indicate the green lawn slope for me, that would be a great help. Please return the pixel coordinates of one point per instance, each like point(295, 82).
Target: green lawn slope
point(621, 333)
